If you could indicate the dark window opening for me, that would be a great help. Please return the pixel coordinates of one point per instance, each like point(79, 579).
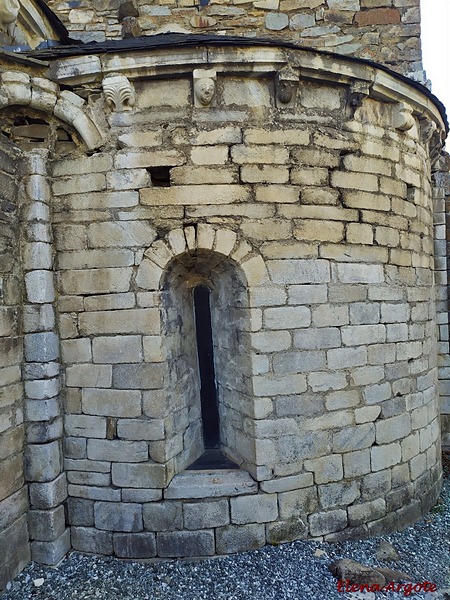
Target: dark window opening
point(212, 458)
point(160, 176)
point(205, 352)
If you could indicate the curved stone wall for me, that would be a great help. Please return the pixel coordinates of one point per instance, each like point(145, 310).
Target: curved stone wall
point(300, 194)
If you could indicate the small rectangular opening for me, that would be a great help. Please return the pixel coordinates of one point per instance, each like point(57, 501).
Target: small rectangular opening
point(160, 176)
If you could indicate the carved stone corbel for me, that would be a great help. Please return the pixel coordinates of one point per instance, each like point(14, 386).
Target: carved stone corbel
point(204, 81)
point(119, 92)
point(357, 93)
point(403, 117)
point(286, 85)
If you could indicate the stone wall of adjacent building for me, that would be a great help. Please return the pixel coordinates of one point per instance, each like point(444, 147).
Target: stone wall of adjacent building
point(441, 198)
point(14, 545)
point(325, 219)
point(385, 31)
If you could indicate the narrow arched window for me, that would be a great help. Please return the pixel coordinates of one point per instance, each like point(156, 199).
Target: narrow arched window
point(205, 353)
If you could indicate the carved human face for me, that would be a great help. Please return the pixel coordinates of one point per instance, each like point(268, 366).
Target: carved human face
point(286, 90)
point(204, 90)
point(9, 9)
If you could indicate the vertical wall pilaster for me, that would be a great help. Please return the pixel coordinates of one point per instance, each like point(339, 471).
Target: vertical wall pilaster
point(50, 539)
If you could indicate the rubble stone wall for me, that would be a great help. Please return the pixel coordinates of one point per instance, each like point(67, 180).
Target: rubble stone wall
point(385, 31)
point(14, 545)
point(325, 216)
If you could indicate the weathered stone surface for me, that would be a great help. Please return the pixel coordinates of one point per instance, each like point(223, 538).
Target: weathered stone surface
point(239, 538)
point(185, 543)
point(191, 484)
point(134, 545)
point(113, 516)
point(150, 475)
point(88, 539)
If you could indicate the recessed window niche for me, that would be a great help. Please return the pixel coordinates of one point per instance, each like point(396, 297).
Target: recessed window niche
point(206, 331)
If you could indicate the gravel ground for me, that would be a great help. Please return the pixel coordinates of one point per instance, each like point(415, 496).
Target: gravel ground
point(289, 571)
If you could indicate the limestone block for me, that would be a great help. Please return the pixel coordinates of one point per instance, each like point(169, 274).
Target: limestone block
point(153, 351)
point(96, 182)
point(255, 271)
point(43, 461)
point(12, 508)
point(343, 358)
point(287, 317)
point(298, 502)
point(139, 320)
point(88, 539)
point(138, 376)
point(315, 338)
point(163, 516)
point(356, 463)
point(174, 93)
point(117, 349)
point(46, 525)
point(141, 495)
point(88, 375)
point(115, 516)
point(326, 469)
point(269, 174)
point(206, 514)
point(38, 317)
point(117, 451)
point(41, 347)
point(37, 255)
point(298, 362)
point(327, 522)
point(48, 495)
point(366, 512)
point(366, 414)
point(374, 394)
point(140, 139)
point(250, 509)
point(85, 426)
point(357, 335)
point(299, 271)
point(354, 438)
point(191, 484)
point(323, 382)
point(50, 553)
point(123, 234)
point(134, 545)
point(185, 543)
point(96, 163)
point(198, 175)
point(223, 135)
point(383, 457)
point(91, 492)
point(284, 137)
point(126, 179)
point(149, 475)
point(132, 159)
point(42, 388)
point(76, 350)
point(39, 286)
point(135, 429)
point(194, 195)
point(338, 494)
point(38, 189)
point(272, 341)
point(358, 181)
point(80, 512)
point(149, 274)
point(271, 385)
point(342, 399)
point(206, 155)
point(239, 538)
point(261, 154)
point(81, 478)
point(395, 428)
